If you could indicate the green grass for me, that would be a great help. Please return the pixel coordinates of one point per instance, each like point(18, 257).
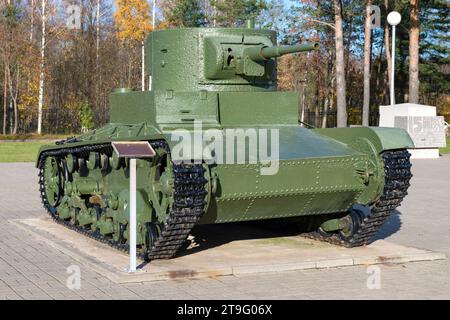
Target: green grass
point(32, 136)
point(446, 150)
point(19, 151)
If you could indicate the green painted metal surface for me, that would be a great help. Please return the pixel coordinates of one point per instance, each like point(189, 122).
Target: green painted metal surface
point(225, 78)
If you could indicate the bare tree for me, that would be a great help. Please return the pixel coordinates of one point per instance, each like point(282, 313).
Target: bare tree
point(367, 53)
point(13, 93)
point(31, 21)
point(5, 100)
point(98, 73)
point(97, 42)
point(41, 75)
point(414, 51)
point(341, 90)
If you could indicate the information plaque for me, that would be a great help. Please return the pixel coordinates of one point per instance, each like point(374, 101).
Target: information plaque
point(133, 149)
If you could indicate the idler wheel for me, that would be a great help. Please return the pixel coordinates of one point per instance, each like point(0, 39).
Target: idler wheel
point(352, 224)
point(345, 228)
point(324, 233)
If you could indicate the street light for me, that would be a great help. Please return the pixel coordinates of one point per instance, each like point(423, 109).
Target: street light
point(393, 19)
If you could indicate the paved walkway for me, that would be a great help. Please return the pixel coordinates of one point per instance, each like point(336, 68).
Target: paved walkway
point(33, 270)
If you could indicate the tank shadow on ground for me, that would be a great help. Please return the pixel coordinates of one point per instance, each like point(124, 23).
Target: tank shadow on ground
point(204, 237)
point(391, 226)
point(209, 236)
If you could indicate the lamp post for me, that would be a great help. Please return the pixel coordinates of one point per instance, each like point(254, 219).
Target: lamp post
point(393, 19)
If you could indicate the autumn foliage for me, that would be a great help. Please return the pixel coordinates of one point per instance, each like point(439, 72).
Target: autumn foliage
point(132, 19)
point(83, 65)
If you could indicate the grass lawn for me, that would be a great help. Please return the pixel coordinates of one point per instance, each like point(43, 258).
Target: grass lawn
point(31, 136)
point(19, 151)
point(446, 150)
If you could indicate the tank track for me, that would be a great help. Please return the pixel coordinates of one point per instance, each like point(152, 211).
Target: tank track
point(397, 169)
point(189, 204)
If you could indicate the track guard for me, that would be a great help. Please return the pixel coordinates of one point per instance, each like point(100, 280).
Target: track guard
point(382, 138)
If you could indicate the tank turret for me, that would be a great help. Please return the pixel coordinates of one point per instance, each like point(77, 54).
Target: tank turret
point(215, 59)
point(248, 60)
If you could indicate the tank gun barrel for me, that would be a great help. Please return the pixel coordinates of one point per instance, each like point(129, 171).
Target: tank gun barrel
point(261, 53)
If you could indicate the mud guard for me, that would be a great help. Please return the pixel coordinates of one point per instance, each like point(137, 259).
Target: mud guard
point(107, 134)
point(382, 138)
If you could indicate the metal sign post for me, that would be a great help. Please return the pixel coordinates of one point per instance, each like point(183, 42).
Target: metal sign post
point(133, 150)
point(132, 215)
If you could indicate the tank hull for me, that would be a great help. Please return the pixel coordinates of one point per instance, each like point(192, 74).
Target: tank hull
point(315, 175)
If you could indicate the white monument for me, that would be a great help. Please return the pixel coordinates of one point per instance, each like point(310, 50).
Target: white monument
point(426, 129)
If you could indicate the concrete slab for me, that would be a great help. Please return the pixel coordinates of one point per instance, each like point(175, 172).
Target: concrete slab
point(218, 251)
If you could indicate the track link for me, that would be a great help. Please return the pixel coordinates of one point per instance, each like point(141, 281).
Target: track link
point(397, 169)
point(189, 203)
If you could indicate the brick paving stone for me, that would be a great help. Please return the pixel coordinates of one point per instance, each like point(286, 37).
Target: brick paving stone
point(30, 269)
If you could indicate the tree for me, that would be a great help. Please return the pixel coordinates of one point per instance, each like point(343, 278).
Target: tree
point(97, 45)
point(82, 66)
point(388, 52)
point(183, 13)
point(133, 23)
point(341, 90)
point(234, 13)
point(42, 65)
point(414, 51)
point(32, 21)
point(435, 55)
point(12, 50)
point(367, 54)
point(86, 117)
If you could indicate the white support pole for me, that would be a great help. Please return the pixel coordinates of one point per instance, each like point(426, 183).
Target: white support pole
point(143, 66)
point(392, 98)
point(132, 227)
point(153, 29)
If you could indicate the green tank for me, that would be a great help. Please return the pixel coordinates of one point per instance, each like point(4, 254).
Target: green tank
point(249, 157)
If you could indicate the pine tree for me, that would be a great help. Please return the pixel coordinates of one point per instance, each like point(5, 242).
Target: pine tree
point(414, 51)
point(367, 60)
point(340, 72)
point(183, 13)
point(234, 13)
point(435, 55)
